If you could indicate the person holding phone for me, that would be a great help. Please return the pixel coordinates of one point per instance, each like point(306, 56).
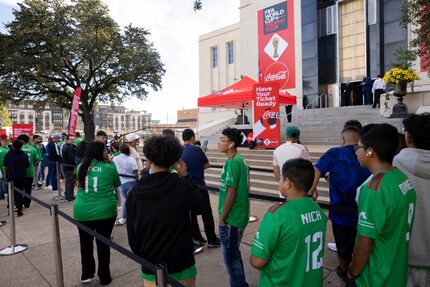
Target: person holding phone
point(197, 162)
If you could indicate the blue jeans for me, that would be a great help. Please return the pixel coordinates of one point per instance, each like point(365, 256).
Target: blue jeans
point(3, 188)
point(230, 237)
point(124, 189)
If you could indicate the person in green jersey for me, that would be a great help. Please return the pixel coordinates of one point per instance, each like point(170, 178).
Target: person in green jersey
point(33, 157)
point(37, 139)
point(115, 149)
point(95, 207)
point(386, 209)
point(233, 207)
point(3, 187)
point(78, 140)
point(289, 245)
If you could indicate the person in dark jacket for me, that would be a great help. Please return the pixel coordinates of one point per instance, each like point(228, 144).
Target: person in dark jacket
point(54, 158)
point(158, 212)
point(68, 156)
point(15, 167)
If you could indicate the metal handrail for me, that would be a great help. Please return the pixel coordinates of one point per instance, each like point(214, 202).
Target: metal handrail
point(317, 99)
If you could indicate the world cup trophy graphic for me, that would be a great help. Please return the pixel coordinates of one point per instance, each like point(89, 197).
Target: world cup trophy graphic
point(275, 43)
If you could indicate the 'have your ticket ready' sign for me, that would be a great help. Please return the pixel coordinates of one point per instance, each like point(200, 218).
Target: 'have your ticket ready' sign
point(266, 116)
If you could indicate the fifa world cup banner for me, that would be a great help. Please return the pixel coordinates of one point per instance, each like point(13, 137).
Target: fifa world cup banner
point(74, 111)
point(276, 52)
point(266, 132)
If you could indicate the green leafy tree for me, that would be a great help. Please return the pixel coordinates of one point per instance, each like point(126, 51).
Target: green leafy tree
point(417, 14)
point(54, 46)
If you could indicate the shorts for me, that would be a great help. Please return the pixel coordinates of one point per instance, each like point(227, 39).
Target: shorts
point(344, 236)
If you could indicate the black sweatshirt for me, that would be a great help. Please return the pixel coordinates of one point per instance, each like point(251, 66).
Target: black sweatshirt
point(68, 156)
point(17, 163)
point(158, 220)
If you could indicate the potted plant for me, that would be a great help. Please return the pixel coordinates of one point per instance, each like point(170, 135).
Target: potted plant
point(398, 78)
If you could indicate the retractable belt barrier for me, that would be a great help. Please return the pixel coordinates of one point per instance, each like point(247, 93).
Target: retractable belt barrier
point(160, 270)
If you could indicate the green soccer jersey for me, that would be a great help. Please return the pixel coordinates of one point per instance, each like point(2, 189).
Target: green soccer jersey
point(97, 199)
point(33, 156)
point(291, 238)
point(386, 209)
point(77, 142)
point(235, 174)
point(3, 153)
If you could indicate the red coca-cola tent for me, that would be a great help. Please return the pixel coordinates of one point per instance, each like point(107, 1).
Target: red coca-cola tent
point(239, 96)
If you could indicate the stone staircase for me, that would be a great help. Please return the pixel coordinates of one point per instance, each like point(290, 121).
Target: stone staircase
point(323, 126)
point(262, 182)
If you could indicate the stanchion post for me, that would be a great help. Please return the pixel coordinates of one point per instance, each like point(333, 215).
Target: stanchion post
point(57, 246)
point(13, 248)
point(59, 196)
point(161, 275)
point(252, 218)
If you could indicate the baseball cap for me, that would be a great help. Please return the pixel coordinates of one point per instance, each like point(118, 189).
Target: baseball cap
point(56, 135)
point(292, 132)
point(131, 137)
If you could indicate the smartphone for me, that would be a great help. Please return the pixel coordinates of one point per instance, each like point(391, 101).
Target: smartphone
point(205, 143)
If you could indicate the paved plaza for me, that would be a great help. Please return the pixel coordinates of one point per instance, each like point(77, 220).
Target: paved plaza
point(36, 266)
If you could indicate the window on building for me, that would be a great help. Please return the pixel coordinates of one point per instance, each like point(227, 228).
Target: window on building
point(327, 21)
point(371, 12)
point(230, 50)
point(214, 57)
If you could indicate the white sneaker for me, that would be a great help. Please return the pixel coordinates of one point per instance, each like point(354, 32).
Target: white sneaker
point(120, 221)
point(86, 281)
point(49, 187)
point(332, 246)
point(54, 191)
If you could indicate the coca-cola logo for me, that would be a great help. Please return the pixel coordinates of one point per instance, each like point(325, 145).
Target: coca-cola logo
point(277, 73)
point(270, 115)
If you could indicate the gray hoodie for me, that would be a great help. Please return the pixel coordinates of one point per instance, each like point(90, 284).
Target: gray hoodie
point(415, 163)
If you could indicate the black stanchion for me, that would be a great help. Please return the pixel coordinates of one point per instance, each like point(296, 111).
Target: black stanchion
point(161, 275)
point(13, 248)
point(57, 246)
point(59, 196)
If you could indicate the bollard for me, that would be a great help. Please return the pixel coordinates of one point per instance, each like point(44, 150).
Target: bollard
point(161, 275)
point(251, 217)
point(13, 248)
point(57, 246)
point(59, 196)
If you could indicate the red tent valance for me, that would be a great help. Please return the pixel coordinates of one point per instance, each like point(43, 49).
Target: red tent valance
point(238, 96)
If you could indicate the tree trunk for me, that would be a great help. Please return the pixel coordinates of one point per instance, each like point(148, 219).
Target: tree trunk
point(89, 127)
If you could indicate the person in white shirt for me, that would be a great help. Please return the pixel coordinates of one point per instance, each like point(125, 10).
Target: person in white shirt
point(132, 140)
point(289, 150)
point(378, 89)
point(127, 170)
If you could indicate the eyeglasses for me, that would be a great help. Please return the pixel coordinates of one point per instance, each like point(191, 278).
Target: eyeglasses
point(357, 147)
point(222, 140)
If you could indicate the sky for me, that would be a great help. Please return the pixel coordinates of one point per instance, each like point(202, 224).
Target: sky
point(175, 29)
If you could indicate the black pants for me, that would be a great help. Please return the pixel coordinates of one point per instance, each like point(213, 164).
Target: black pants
point(103, 227)
point(27, 188)
point(70, 183)
point(288, 109)
point(19, 183)
point(208, 220)
point(378, 93)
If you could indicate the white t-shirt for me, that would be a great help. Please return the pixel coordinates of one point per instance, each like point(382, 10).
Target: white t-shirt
point(288, 151)
point(135, 154)
point(125, 164)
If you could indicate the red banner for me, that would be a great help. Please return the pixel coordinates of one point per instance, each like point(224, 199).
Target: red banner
point(266, 116)
point(74, 111)
point(19, 129)
point(276, 52)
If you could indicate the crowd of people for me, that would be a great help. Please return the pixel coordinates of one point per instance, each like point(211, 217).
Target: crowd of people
point(378, 187)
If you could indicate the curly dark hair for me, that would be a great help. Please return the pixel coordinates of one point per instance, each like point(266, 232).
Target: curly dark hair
point(163, 151)
point(418, 128)
point(383, 139)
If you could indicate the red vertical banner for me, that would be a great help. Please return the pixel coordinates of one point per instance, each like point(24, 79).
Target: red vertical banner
point(276, 52)
point(266, 116)
point(73, 120)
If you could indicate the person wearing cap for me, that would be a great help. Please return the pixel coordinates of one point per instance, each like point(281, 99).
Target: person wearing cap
point(289, 150)
point(132, 140)
point(54, 158)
